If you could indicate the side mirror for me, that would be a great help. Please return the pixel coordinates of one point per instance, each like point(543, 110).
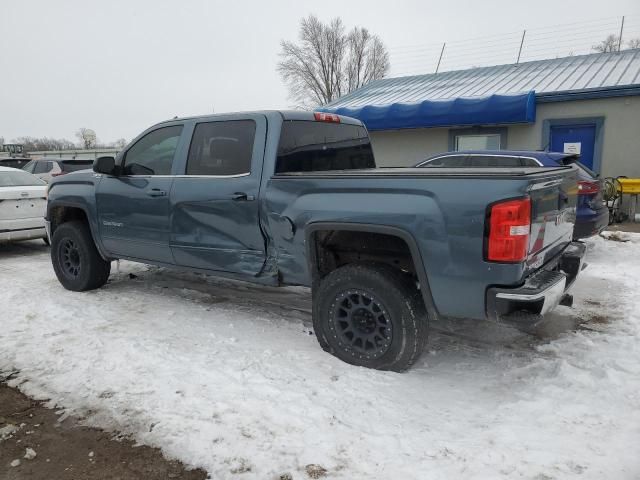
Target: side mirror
point(105, 165)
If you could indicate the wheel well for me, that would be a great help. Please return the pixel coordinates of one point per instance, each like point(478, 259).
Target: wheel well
point(331, 249)
point(62, 214)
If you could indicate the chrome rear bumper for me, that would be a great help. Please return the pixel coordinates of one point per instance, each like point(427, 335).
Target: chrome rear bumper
point(542, 291)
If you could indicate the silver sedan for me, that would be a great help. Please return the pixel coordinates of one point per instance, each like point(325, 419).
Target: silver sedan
point(23, 202)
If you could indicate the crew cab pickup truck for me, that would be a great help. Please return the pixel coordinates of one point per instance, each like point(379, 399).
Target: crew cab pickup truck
point(295, 198)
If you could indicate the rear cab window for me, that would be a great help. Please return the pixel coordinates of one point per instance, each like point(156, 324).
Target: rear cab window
point(312, 146)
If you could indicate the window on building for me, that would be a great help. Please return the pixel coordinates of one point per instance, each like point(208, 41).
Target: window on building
point(222, 148)
point(477, 142)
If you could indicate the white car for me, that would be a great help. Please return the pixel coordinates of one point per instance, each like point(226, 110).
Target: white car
point(23, 202)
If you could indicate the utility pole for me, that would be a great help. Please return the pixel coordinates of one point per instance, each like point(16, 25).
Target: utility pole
point(441, 53)
point(620, 36)
point(521, 44)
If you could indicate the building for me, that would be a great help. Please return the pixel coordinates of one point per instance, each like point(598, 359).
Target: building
point(587, 104)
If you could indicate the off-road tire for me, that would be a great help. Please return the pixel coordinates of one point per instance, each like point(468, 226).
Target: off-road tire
point(75, 258)
point(403, 335)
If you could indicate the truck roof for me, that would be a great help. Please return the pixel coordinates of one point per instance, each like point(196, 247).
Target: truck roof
point(304, 115)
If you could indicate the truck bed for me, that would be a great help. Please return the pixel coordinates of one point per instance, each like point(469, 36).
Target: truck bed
point(505, 172)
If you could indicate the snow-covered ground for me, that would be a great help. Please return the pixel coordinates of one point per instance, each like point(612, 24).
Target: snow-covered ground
point(228, 376)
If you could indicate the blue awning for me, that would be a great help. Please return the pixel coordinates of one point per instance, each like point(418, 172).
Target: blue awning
point(490, 110)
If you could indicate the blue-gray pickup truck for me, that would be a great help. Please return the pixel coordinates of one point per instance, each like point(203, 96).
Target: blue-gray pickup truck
point(295, 198)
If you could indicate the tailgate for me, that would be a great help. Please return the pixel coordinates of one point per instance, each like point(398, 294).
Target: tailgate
point(553, 213)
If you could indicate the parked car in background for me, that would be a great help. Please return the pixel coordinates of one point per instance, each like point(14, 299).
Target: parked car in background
point(592, 214)
point(48, 168)
point(23, 202)
point(295, 198)
point(14, 162)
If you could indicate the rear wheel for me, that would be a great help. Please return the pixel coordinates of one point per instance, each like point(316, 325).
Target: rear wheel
point(370, 316)
point(75, 258)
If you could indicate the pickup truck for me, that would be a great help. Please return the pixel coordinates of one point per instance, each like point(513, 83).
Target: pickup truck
point(295, 198)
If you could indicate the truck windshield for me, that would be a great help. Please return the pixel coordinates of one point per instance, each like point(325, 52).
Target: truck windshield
point(309, 146)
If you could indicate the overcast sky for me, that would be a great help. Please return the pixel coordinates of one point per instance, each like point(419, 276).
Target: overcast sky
point(119, 66)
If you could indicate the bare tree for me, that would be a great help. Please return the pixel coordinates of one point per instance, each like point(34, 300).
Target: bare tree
point(367, 60)
point(33, 144)
point(120, 143)
point(327, 62)
point(633, 43)
point(609, 44)
point(612, 44)
point(87, 138)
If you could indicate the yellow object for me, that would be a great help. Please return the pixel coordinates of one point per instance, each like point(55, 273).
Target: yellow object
point(630, 185)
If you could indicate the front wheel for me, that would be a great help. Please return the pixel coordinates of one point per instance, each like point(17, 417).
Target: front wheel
point(75, 258)
point(370, 316)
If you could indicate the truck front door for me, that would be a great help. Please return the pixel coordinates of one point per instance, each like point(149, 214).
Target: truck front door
point(133, 207)
point(215, 209)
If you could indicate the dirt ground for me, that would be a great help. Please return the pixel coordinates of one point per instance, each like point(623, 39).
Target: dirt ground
point(625, 227)
point(65, 450)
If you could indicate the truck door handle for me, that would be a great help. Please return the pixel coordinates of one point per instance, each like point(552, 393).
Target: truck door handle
point(156, 192)
point(242, 197)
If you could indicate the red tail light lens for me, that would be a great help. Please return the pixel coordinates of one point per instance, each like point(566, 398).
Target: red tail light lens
point(588, 188)
point(58, 174)
point(326, 117)
point(509, 228)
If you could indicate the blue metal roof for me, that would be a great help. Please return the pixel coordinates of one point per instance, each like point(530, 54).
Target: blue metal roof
point(582, 76)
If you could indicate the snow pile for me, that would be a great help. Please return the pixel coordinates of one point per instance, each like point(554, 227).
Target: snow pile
point(7, 431)
point(30, 454)
point(226, 376)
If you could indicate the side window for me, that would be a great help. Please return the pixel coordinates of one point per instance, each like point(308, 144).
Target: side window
point(497, 161)
point(451, 161)
point(42, 167)
point(222, 148)
point(529, 162)
point(29, 166)
point(153, 154)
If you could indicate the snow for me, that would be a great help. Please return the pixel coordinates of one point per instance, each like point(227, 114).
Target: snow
point(30, 454)
point(7, 431)
point(227, 376)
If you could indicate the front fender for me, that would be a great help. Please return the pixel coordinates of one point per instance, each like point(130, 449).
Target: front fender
point(76, 193)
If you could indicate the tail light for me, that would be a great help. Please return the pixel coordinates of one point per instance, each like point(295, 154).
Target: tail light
point(509, 228)
point(588, 188)
point(326, 117)
point(58, 174)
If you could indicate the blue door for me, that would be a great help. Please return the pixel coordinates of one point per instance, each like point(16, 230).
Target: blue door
point(575, 139)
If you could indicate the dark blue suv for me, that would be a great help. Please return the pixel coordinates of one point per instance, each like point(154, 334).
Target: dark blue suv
point(592, 213)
